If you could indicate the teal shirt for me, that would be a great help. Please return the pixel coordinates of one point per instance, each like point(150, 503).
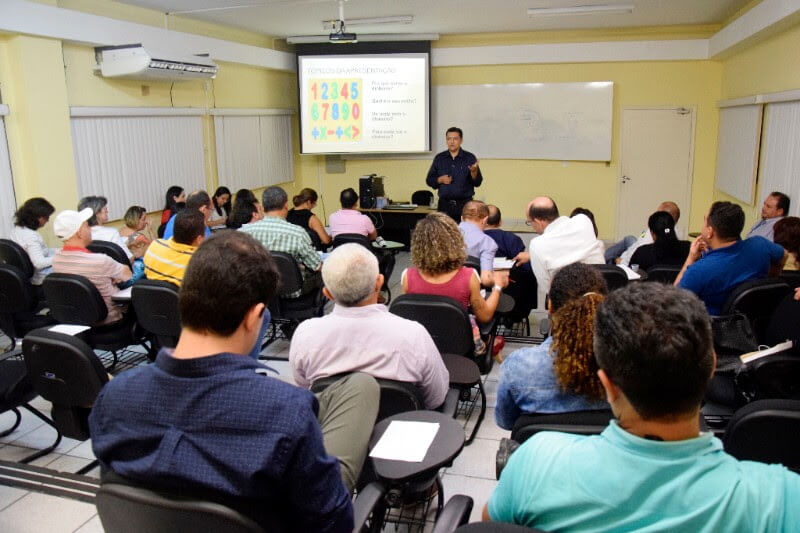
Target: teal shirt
point(617, 481)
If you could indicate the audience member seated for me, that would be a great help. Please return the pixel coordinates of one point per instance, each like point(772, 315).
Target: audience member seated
point(559, 375)
point(521, 281)
point(197, 201)
point(438, 253)
point(136, 221)
point(278, 235)
point(480, 245)
point(625, 253)
point(719, 259)
point(666, 248)
point(301, 215)
point(349, 220)
point(207, 418)
point(99, 206)
point(361, 335)
point(589, 215)
point(175, 195)
point(167, 259)
point(246, 210)
point(74, 258)
point(562, 241)
point(651, 469)
point(787, 234)
point(31, 216)
point(222, 208)
point(776, 206)
point(138, 244)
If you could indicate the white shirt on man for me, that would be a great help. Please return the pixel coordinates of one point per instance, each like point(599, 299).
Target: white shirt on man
point(106, 233)
point(564, 241)
point(369, 339)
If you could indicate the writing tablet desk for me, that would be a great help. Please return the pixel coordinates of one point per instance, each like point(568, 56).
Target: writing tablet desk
point(396, 224)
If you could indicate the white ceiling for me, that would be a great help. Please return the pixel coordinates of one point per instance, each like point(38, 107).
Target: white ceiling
point(283, 18)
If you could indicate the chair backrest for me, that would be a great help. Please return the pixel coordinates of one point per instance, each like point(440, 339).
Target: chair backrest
point(422, 197)
point(444, 318)
point(13, 254)
point(16, 293)
point(756, 299)
point(777, 376)
point(291, 280)
point(579, 422)
point(767, 431)
point(73, 299)
point(131, 509)
point(156, 306)
point(345, 238)
point(494, 527)
point(791, 277)
point(615, 277)
point(474, 263)
point(111, 249)
point(663, 273)
point(65, 371)
point(785, 323)
point(396, 396)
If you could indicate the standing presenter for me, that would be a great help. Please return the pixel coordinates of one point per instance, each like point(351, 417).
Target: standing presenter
point(455, 174)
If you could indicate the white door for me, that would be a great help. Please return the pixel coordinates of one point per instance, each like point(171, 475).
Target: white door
point(656, 165)
point(8, 204)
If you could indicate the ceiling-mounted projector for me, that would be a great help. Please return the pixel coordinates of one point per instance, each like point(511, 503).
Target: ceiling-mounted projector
point(341, 37)
point(134, 61)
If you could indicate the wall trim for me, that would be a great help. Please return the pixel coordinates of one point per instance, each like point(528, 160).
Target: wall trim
point(77, 111)
point(766, 16)
point(248, 111)
point(767, 98)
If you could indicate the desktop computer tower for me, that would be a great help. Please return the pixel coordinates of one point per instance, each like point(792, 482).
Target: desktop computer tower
point(369, 188)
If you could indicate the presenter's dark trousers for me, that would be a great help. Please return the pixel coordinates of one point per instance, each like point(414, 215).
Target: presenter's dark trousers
point(452, 208)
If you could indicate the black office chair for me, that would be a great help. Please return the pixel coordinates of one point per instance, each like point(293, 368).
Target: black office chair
point(578, 422)
point(74, 299)
point(291, 311)
point(65, 371)
point(791, 277)
point(13, 254)
point(495, 527)
point(386, 259)
point(767, 431)
point(455, 513)
point(422, 197)
point(156, 306)
point(396, 396)
point(756, 299)
point(615, 277)
point(111, 249)
point(663, 273)
point(784, 323)
point(449, 326)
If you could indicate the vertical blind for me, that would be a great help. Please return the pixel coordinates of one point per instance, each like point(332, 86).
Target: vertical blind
point(8, 203)
point(738, 149)
point(133, 160)
point(254, 151)
point(780, 167)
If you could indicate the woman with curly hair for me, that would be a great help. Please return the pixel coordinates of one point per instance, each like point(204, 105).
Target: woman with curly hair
point(438, 254)
point(559, 375)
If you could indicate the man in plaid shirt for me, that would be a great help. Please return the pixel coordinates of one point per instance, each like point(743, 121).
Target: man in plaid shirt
point(278, 235)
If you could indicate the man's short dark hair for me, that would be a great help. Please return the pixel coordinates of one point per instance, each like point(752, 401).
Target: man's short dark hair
point(654, 342)
point(189, 224)
point(274, 198)
point(494, 215)
point(198, 199)
point(348, 198)
point(727, 219)
point(783, 201)
point(231, 271)
point(453, 129)
point(548, 214)
point(588, 214)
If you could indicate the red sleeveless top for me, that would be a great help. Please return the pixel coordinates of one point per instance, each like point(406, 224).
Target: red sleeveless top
point(457, 288)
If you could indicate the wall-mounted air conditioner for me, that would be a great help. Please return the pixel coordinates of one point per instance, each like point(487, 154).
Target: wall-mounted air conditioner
point(134, 61)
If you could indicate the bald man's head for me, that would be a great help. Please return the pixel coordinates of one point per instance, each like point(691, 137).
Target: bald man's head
point(543, 208)
point(475, 211)
point(494, 216)
point(671, 208)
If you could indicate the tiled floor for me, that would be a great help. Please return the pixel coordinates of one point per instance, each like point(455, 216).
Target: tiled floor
point(472, 473)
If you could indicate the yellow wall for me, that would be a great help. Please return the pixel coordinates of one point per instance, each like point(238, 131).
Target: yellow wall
point(511, 184)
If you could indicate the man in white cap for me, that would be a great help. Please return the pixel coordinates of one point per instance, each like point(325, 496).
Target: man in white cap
point(74, 258)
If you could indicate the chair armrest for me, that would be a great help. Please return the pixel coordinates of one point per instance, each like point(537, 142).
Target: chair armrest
point(366, 501)
point(450, 404)
point(504, 451)
point(455, 513)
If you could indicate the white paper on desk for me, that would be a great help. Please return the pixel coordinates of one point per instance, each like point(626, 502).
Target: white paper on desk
point(405, 441)
point(501, 263)
point(69, 329)
point(629, 272)
point(124, 293)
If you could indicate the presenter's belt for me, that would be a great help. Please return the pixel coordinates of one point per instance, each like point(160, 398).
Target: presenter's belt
point(453, 206)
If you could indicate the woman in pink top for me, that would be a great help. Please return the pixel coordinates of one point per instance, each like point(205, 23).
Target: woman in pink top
point(438, 254)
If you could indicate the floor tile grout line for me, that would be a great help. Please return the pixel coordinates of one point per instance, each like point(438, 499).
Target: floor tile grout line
point(27, 493)
point(80, 526)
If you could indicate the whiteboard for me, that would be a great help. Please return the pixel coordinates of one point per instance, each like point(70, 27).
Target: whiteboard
point(561, 121)
point(737, 150)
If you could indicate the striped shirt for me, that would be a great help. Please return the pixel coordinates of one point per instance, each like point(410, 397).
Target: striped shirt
point(166, 260)
point(278, 235)
point(100, 269)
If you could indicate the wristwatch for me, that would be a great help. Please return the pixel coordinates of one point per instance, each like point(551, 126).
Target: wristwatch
point(497, 288)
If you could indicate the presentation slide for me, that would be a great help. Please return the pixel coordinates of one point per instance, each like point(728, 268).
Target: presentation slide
point(376, 103)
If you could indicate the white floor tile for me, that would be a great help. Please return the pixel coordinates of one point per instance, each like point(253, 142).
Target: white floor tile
point(83, 450)
point(42, 437)
point(37, 513)
point(12, 453)
point(489, 429)
point(9, 495)
point(68, 463)
point(476, 460)
point(478, 489)
point(29, 423)
point(92, 526)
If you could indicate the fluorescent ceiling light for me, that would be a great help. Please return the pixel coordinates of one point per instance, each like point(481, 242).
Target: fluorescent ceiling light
point(399, 19)
point(579, 10)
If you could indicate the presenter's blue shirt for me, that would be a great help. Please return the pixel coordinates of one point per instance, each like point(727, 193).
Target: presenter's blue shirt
point(714, 276)
point(463, 186)
point(617, 481)
point(170, 229)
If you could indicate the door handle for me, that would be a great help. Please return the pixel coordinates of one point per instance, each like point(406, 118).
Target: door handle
point(625, 179)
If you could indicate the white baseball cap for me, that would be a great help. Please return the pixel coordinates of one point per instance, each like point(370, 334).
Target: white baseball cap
point(68, 222)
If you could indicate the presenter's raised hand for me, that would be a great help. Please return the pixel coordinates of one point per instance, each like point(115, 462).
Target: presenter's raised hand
point(445, 180)
point(473, 169)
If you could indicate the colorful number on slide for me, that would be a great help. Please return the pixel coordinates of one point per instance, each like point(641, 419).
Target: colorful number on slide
point(335, 109)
